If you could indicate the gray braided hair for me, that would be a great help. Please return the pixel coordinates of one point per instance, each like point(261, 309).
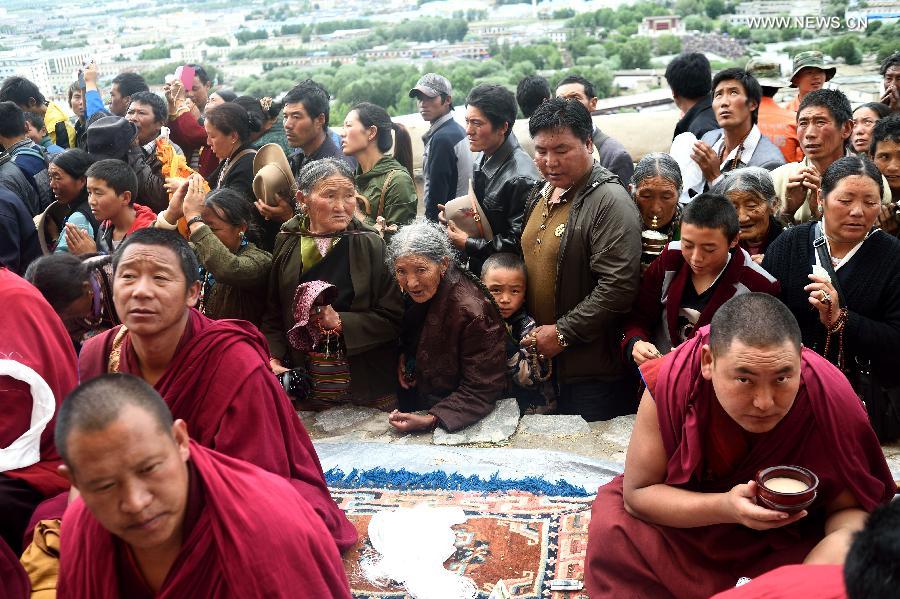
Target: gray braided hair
point(316, 170)
point(656, 164)
point(751, 179)
point(423, 238)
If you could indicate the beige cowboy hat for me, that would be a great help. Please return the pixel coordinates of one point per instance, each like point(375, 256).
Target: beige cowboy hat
point(49, 225)
point(272, 175)
point(466, 213)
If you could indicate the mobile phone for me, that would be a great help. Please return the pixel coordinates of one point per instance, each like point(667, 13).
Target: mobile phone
point(185, 74)
point(81, 82)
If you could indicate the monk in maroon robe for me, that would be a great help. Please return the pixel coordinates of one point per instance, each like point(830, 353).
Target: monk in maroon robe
point(742, 395)
point(33, 335)
point(13, 579)
point(212, 374)
point(821, 581)
point(160, 516)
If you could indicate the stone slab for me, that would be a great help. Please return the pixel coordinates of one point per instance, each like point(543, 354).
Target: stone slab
point(337, 419)
point(554, 426)
point(496, 427)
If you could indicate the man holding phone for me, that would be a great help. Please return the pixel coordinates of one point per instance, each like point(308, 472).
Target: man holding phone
point(124, 86)
point(186, 106)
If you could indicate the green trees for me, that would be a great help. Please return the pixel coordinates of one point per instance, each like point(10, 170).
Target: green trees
point(635, 53)
point(667, 44)
point(245, 35)
point(154, 53)
point(846, 48)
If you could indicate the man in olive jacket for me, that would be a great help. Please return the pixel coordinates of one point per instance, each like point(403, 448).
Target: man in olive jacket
point(582, 247)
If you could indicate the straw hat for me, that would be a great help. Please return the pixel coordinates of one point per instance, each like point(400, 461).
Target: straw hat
point(49, 225)
point(272, 174)
point(466, 213)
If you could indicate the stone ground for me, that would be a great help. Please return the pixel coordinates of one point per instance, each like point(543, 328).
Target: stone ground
point(597, 440)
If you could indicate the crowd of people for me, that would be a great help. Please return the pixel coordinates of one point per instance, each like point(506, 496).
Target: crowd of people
point(182, 272)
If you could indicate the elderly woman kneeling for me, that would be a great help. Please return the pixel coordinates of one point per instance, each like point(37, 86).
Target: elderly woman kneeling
point(349, 306)
point(453, 357)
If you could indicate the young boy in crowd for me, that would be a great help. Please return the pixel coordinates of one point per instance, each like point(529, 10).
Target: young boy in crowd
point(691, 279)
point(504, 276)
point(111, 186)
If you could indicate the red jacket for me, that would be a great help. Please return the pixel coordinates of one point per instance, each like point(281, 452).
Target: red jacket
point(662, 287)
point(190, 135)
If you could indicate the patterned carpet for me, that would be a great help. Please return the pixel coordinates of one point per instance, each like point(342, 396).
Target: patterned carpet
point(526, 536)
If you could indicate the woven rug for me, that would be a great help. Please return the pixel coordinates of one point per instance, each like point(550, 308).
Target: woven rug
point(526, 532)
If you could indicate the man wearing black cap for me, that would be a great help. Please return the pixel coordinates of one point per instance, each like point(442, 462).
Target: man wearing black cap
point(446, 160)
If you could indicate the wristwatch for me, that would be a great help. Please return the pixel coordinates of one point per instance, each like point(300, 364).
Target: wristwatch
point(196, 219)
point(561, 339)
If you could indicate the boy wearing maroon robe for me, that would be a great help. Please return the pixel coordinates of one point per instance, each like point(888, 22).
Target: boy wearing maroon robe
point(742, 395)
point(214, 375)
point(32, 335)
point(161, 516)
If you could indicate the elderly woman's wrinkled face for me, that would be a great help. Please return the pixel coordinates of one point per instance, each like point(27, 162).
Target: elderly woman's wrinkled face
point(419, 276)
point(850, 209)
point(753, 214)
point(330, 204)
point(656, 197)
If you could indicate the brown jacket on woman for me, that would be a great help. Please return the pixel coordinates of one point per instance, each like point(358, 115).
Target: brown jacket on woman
point(461, 354)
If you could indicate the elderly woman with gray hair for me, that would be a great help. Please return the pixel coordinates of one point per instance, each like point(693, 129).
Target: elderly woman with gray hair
point(453, 356)
point(655, 188)
point(752, 192)
point(334, 310)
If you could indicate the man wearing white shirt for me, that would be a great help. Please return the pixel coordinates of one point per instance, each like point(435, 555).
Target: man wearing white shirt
point(738, 142)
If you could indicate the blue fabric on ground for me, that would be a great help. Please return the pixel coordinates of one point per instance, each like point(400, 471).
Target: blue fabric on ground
point(405, 480)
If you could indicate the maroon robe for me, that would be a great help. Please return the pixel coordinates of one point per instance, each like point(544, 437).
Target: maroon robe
point(32, 333)
point(826, 430)
point(253, 536)
point(790, 582)
point(220, 384)
point(14, 583)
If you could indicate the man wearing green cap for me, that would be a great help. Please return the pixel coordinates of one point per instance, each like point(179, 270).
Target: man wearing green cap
point(810, 73)
point(775, 122)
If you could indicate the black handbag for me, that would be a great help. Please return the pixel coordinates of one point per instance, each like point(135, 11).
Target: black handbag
point(882, 404)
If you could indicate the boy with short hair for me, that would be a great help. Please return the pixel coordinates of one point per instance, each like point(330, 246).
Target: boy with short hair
point(111, 186)
point(504, 276)
point(691, 279)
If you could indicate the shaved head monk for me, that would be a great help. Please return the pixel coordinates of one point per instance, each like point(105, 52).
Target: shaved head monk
point(161, 516)
point(741, 396)
point(213, 374)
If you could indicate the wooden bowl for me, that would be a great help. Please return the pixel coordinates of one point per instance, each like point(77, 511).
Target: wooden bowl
point(790, 502)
